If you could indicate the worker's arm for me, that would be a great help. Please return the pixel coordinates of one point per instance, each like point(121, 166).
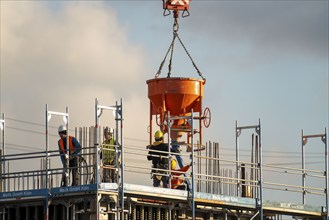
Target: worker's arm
point(183, 169)
point(77, 147)
point(149, 155)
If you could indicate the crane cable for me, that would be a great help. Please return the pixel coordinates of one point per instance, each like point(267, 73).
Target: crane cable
point(171, 49)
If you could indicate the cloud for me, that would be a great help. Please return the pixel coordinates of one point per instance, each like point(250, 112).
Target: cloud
point(268, 27)
point(68, 57)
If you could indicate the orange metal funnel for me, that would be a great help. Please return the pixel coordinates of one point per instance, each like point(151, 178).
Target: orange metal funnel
point(180, 97)
point(177, 95)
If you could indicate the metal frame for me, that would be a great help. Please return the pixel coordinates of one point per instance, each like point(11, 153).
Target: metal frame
point(304, 142)
point(119, 124)
point(238, 131)
point(191, 131)
point(66, 170)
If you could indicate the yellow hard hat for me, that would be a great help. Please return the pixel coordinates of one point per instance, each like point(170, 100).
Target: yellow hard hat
point(173, 164)
point(158, 135)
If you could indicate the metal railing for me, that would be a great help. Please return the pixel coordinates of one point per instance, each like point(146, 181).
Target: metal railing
point(213, 173)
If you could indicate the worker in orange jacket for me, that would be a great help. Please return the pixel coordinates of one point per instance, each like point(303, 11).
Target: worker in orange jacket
point(73, 153)
point(176, 181)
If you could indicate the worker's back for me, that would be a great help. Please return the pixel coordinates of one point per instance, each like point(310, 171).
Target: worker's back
point(158, 158)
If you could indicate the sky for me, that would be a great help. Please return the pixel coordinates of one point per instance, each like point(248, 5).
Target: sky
point(262, 60)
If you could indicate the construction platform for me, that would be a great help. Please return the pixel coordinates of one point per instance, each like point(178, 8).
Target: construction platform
point(142, 202)
point(216, 187)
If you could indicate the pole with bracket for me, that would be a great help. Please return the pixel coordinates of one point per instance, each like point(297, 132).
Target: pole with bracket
point(304, 142)
point(238, 130)
point(117, 109)
point(66, 169)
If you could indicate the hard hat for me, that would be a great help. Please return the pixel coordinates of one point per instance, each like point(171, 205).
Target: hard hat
point(61, 128)
point(108, 130)
point(158, 135)
point(173, 164)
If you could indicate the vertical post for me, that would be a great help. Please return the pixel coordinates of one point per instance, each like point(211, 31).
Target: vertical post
point(257, 162)
point(192, 143)
point(122, 159)
point(237, 157)
point(252, 188)
point(117, 150)
point(325, 140)
point(151, 121)
point(97, 168)
point(169, 161)
point(258, 131)
point(47, 150)
point(2, 126)
point(67, 148)
point(169, 148)
point(1, 189)
point(303, 169)
point(67, 205)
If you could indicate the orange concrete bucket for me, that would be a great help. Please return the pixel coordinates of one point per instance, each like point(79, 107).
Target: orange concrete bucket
point(177, 95)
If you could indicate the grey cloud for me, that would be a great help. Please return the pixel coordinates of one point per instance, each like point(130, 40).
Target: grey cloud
point(295, 27)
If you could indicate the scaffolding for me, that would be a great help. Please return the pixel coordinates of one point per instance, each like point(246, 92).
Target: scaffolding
point(218, 188)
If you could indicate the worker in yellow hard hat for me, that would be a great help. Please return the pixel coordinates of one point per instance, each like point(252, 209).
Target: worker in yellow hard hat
point(158, 154)
point(176, 181)
point(173, 164)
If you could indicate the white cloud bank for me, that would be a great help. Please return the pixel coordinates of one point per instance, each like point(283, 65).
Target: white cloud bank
point(68, 57)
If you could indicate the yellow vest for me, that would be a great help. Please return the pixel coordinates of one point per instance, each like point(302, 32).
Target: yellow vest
point(108, 155)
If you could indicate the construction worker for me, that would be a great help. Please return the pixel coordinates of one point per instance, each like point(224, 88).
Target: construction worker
point(73, 153)
point(108, 155)
point(175, 136)
point(159, 160)
point(176, 181)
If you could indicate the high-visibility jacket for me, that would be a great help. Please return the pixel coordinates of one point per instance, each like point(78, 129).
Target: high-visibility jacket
point(108, 155)
point(74, 147)
point(176, 181)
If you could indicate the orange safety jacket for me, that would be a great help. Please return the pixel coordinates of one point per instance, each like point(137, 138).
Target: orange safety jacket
point(61, 145)
point(176, 181)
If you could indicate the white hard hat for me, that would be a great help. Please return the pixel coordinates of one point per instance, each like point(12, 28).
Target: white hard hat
point(108, 130)
point(61, 128)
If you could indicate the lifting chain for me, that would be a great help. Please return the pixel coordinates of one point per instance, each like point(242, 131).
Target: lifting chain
point(171, 50)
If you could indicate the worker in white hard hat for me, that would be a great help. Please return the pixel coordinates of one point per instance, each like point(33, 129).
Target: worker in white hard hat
point(73, 153)
point(108, 155)
point(159, 160)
